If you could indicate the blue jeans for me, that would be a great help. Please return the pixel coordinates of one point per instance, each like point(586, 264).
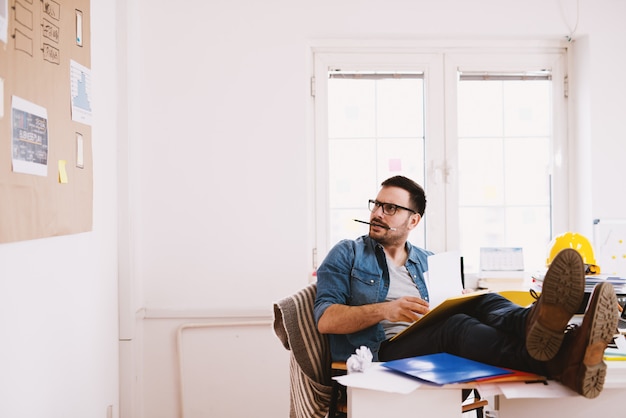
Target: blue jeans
point(491, 330)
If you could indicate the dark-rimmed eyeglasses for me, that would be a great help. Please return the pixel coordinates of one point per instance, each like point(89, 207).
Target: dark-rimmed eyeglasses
point(388, 208)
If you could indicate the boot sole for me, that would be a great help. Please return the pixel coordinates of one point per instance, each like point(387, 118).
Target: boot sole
point(562, 293)
point(592, 371)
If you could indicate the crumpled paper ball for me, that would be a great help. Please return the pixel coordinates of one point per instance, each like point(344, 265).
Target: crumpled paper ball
point(360, 361)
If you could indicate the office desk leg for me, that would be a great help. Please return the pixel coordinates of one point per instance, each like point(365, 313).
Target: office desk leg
point(364, 403)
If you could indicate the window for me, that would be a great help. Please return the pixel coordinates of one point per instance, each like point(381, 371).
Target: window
point(504, 137)
point(482, 132)
point(375, 130)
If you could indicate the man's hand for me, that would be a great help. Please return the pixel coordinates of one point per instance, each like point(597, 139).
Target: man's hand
point(343, 319)
point(406, 309)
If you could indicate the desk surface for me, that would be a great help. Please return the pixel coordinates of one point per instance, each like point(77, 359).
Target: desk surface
point(365, 400)
point(379, 378)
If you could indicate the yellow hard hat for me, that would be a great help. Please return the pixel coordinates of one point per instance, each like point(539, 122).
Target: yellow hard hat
point(579, 243)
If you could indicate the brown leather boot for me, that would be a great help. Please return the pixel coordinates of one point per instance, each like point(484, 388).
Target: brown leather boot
point(561, 295)
point(579, 364)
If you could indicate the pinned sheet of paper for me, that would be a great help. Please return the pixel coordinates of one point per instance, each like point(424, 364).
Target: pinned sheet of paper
point(79, 28)
point(395, 164)
point(29, 142)
point(80, 153)
point(62, 172)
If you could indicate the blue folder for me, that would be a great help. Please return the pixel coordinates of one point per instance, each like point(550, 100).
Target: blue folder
point(444, 368)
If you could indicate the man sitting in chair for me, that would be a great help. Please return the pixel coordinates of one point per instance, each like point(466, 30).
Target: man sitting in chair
point(371, 288)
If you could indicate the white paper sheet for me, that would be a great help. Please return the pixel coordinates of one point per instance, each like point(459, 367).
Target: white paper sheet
point(4, 21)
point(444, 277)
point(620, 341)
point(29, 137)
point(551, 389)
point(80, 86)
point(379, 378)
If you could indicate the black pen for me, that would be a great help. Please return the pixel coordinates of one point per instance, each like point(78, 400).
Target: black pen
point(545, 382)
point(379, 225)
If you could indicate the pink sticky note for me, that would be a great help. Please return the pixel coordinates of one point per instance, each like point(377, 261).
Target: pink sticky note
point(395, 164)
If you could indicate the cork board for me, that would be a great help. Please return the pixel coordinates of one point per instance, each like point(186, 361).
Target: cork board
point(46, 172)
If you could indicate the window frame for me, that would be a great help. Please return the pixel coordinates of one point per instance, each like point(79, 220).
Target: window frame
point(432, 67)
point(553, 59)
point(439, 65)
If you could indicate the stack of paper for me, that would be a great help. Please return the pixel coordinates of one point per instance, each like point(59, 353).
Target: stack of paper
point(616, 351)
point(614, 354)
point(619, 283)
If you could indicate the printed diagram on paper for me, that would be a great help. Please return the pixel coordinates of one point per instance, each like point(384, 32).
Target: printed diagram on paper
point(29, 139)
point(80, 81)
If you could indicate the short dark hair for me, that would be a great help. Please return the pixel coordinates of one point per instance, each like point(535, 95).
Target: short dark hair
point(418, 196)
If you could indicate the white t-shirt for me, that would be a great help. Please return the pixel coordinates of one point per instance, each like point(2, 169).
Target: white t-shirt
point(400, 284)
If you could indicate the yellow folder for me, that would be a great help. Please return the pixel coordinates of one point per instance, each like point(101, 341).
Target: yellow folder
point(444, 310)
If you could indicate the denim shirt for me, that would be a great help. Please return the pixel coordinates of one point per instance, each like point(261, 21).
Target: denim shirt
point(355, 273)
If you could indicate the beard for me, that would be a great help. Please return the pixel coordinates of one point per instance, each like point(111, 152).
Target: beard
point(386, 236)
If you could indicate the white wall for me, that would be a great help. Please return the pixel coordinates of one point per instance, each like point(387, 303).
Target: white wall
point(607, 108)
point(58, 296)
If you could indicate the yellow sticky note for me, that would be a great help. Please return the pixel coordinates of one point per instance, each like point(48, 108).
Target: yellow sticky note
point(62, 172)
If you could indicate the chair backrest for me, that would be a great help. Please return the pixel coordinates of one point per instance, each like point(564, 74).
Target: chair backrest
point(309, 366)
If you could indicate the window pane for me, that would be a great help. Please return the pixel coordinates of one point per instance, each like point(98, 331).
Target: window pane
point(529, 228)
point(342, 223)
point(526, 227)
point(397, 105)
point(480, 108)
point(505, 135)
point(480, 172)
point(527, 171)
point(351, 184)
point(351, 108)
point(527, 107)
point(480, 227)
point(376, 130)
point(401, 156)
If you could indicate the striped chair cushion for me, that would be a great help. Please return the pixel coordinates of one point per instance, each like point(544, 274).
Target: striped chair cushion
point(309, 365)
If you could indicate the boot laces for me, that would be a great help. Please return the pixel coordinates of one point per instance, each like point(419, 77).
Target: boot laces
point(571, 329)
point(534, 294)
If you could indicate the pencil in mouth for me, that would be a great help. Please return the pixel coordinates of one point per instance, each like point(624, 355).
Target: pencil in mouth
point(375, 224)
